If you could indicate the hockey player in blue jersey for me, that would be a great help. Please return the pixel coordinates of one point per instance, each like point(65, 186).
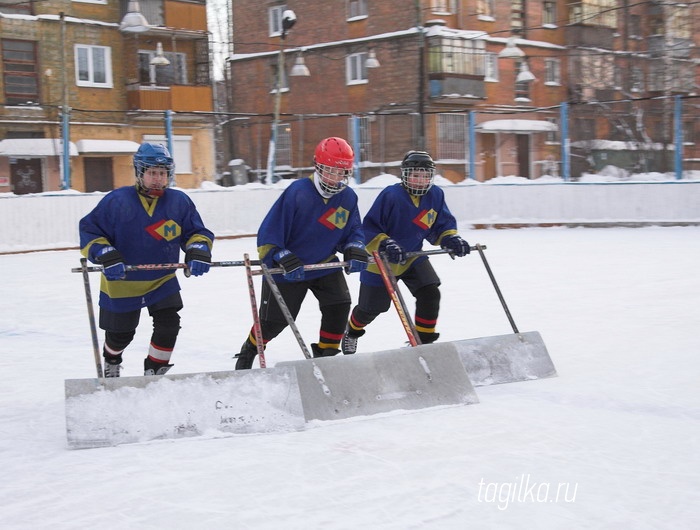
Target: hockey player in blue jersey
point(313, 219)
point(402, 216)
point(144, 224)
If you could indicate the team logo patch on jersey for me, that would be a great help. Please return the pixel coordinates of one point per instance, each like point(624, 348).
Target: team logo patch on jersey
point(425, 218)
point(334, 218)
point(167, 230)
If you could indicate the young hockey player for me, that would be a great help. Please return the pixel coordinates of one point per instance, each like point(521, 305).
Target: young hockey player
point(313, 219)
point(402, 216)
point(143, 224)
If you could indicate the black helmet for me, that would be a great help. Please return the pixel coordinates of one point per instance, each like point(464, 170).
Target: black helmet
point(417, 163)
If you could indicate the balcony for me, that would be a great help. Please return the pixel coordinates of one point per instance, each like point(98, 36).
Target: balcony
point(456, 86)
point(178, 98)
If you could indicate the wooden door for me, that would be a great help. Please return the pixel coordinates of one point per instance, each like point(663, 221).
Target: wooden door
point(98, 174)
point(26, 176)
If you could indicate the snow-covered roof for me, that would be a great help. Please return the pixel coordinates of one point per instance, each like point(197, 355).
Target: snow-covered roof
point(107, 146)
point(517, 126)
point(34, 147)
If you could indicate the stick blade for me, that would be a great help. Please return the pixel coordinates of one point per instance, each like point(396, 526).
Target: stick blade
point(107, 412)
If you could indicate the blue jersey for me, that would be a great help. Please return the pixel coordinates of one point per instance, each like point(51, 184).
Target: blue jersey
point(409, 221)
point(309, 225)
point(144, 233)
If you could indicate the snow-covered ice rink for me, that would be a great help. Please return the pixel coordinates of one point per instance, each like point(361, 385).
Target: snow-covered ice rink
point(610, 443)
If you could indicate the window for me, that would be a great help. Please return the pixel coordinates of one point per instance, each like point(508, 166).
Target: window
point(552, 71)
point(517, 15)
point(357, 8)
point(635, 26)
point(594, 13)
point(275, 20)
point(20, 72)
point(93, 66)
point(452, 137)
point(16, 7)
point(553, 136)
point(446, 7)
point(636, 79)
point(278, 83)
point(456, 56)
point(491, 67)
point(182, 150)
point(173, 74)
point(283, 145)
point(364, 137)
point(485, 8)
point(549, 13)
point(522, 89)
point(356, 72)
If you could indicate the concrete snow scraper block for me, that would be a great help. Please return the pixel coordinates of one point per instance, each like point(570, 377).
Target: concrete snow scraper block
point(363, 384)
point(106, 412)
point(505, 358)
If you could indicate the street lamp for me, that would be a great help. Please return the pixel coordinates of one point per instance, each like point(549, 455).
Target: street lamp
point(288, 20)
point(134, 21)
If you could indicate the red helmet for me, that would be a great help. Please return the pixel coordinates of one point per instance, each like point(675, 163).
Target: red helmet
point(331, 155)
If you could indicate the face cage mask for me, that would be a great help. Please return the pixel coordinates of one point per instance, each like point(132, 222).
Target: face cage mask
point(141, 168)
point(412, 189)
point(323, 169)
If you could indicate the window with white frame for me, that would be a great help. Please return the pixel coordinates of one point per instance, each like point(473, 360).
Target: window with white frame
point(364, 137)
point(452, 136)
point(549, 13)
point(174, 73)
point(274, 16)
point(93, 66)
point(182, 150)
point(552, 71)
point(355, 69)
point(594, 13)
point(491, 66)
point(357, 8)
point(456, 56)
point(446, 7)
point(486, 8)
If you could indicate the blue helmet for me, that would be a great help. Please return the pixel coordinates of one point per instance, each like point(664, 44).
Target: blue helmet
point(152, 155)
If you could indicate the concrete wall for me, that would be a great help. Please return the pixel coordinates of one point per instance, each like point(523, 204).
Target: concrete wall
point(50, 221)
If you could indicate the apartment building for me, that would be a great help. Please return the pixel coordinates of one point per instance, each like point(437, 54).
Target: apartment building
point(84, 82)
point(482, 85)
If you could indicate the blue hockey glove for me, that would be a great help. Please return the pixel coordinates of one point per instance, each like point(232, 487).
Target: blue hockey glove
point(292, 266)
point(198, 258)
point(112, 262)
point(356, 256)
point(393, 251)
point(455, 245)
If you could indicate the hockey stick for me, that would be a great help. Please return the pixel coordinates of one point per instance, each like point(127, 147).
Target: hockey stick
point(285, 309)
point(392, 288)
point(481, 248)
point(339, 264)
point(167, 266)
point(257, 331)
point(91, 317)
